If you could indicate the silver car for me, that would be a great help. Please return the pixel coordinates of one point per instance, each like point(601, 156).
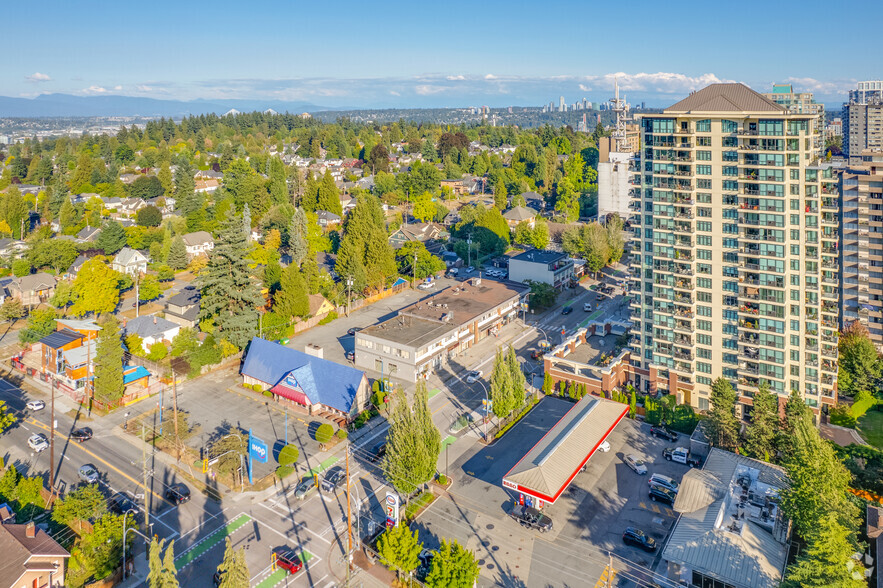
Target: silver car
point(38, 442)
point(88, 474)
point(635, 463)
point(663, 482)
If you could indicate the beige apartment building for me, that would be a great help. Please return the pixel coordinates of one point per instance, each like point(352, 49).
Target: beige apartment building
point(735, 262)
point(800, 103)
point(861, 190)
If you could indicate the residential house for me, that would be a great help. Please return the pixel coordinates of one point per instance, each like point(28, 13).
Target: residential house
point(731, 530)
point(198, 243)
point(128, 178)
point(534, 200)
point(4, 289)
point(426, 233)
point(12, 247)
point(31, 189)
point(327, 219)
point(130, 261)
point(67, 352)
point(520, 214)
point(33, 289)
point(456, 185)
point(72, 271)
point(874, 532)
point(347, 203)
point(208, 174)
point(320, 386)
point(207, 186)
point(112, 203)
point(131, 205)
point(88, 234)
point(183, 307)
point(319, 305)
point(31, 558)
point(152, 329)
point(165, 204)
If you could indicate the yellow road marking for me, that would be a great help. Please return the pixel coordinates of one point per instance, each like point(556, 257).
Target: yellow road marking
point(607, 576)
point(75, 444)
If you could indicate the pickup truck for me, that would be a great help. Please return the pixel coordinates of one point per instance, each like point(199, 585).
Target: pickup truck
point(681, 455)
point(532, 518)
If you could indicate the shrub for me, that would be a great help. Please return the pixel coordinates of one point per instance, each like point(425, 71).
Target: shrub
point(443, 479)
point(288, 455)
point(267, 393)
point(841, 415)
point(331, 316)
point(157, 351)
point(379, 397)
point(284, 471)
point(342, 434)
point(324, 433)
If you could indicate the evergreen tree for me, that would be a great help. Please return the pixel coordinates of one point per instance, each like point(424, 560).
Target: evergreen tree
point(112, 237)
point(796, 412)
point(501, 386)
point(501, 196)
point(827, 561)
point(760, 438)
point(233, 569)
point(408, 462)
point(518, 383)
point(429, 435)
point(722, 423)
point(292, 299)
point(399, 549)
point(246, 222)
point(163, 573)
point(108, 386)
point(297, 237)
point(229, 294)
point(177, 259)
point(165, 179)
point(328, 196)
point(453, 566)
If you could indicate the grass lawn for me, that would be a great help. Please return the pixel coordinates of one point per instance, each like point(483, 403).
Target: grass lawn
point(871, 428)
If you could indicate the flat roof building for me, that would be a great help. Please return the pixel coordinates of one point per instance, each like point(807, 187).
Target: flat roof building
point(424, 335)
point(537, 265)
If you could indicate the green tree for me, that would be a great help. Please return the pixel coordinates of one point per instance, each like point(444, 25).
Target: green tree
point(297, 237)
point(378, 159)
point(615, 238)
point(399, 549)
point(109, 361)
point(453, 566)
point(429, 436)
point(234, 569)
point(40, 323)
point(796, 412)
point(518, 383)
point(177, 259)
point(501, 386)
point(408, 462)
point(229, 294)
point(58, 254)
point(98, 554)
point(149, 288)
point(95, 289)
point(542, 295)
point(760, 436)
point(86, 503)
point(21, 267)
point(7, 417)
point(292, 298)
point(540, 236)
point(67, 216)
point(11, 310)
point(14, 210)
point(722, 423)
point(324, 433)
point(162, 571)
point(827, 561)
point(148, 216)
point(858, 360)
point(424, 207)
point(112, 237)
point(427, 263)
point(501, 196)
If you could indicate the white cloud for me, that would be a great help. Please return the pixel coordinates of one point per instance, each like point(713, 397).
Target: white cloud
point(143, 88)
point(94, 90)
point(821, 86)
point(490, 77)
point(38, 77)
point(585, 88)
point(117, 88)
point(394, 93)
point(664, 82)
point(456, 78)
point(428, 89)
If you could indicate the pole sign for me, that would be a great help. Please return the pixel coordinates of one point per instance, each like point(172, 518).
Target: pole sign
point(392, 509)
point(257, 449)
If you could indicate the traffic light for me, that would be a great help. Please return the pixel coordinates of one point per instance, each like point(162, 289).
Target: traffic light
point(273, 561)
point(204, 465)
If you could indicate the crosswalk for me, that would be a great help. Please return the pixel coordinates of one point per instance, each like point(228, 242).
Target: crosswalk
point(606, 579)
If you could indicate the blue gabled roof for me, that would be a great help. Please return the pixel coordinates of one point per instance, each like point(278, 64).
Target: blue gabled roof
point(270, 362)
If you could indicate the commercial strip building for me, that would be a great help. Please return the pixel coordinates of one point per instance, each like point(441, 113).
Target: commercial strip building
point(424, 335)
point(546, 471)
point(735, 257)
point(536, 265)
point(730, 531)
point(861, 201)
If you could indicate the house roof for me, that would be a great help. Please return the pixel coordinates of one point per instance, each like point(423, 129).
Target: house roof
point(34, 282)
point(77, 264)
point(188, 296)
point(540, 256)
point(197, 238)
point(80, 355)
point(88, 233)
point(149, 326)
point(316, 302)
point(128, 256)
point(58, 339)
point(465, 302)
point(520, 213)
point(726, 98)
point(708, 537)
point(17, 548)
point(550, 465)
point(323, 381)
point(76, 325)
point(327, 216)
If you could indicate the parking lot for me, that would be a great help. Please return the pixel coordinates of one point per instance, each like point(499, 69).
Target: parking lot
point(588, 519)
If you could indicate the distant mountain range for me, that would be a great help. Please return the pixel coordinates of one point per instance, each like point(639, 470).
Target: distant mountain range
point(48, 105)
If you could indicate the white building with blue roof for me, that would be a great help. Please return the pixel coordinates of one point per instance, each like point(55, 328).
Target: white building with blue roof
point(313, 383)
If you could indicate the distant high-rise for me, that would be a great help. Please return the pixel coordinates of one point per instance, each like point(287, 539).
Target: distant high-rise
point(735, 258)
point(800, 103)
point(863, 120)
point(866, 91)
point(561, 106)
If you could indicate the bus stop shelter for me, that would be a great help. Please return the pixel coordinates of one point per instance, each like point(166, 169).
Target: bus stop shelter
point(546, 471)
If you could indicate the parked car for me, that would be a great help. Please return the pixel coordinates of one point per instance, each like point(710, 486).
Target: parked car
point(660, 494)
point(681, 455)
point(426, 285)
point(88, 474)
point(289, 562)
point(36, 404)
point(306, 487)
point(635, 463)
point(536, 354)
point(638, 538)
point(378, 451)
point(83, 434)
point(333, 479)
point(120, 503)
point(351, 355)
point(216, 578)
point(663, 432)
point(38, 442)
point(473, 376)
point(664, 482)
point(453, 271)
point(532, 518)
point(587, 307)
point(178, 493)
point(567, 310)
point(604, 447)
point(353, 330)
point(469, 270)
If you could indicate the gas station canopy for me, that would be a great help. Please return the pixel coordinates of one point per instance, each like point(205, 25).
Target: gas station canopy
point(551, 464)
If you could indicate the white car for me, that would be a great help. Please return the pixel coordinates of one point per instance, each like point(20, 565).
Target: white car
point(473, 376)
point(38, 442)
point(664, 482)
point(634, 462)
point(469, 270)
point(604, 447)
point(36, 404)
point(426, 285)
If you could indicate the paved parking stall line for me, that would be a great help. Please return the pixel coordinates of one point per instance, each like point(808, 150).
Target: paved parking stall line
point(206, 543)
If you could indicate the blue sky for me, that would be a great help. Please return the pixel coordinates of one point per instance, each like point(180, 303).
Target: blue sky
point(450, 53)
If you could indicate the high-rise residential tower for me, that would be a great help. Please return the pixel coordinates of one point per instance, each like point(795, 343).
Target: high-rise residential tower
point(800, 103)
point(734, 262)
point(863, 120)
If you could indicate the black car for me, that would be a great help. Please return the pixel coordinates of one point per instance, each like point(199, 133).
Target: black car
point(216, 578)
point(178, 493)
point(352, 331)
point(663, 432)
point(378, 451)
point(567, 310)
point(530, 517)
point(425, 558)
point(81, 435)
point(333, 479)
point(639, 538)
point(351, 355)
point(120, 503)
point(660, 494)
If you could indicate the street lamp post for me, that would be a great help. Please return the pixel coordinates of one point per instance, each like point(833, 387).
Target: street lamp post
point(469, 250)
point(134, 530)
point(487, 406)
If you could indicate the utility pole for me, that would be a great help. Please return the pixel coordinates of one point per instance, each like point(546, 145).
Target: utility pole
point(52, 440)
point(144, 472)
point(415, 269)
point(349, 285)
point(609, 568)
point(349, 519)
point(137, 286)
point(175, 408)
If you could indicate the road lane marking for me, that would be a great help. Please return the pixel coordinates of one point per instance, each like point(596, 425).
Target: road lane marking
point(202, 546)
point(95, 456)
point(299, 526)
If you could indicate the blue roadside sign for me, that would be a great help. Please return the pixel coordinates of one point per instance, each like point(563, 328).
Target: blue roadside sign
point(257, 449)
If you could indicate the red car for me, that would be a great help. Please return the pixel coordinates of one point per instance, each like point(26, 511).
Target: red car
point(290, 562)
